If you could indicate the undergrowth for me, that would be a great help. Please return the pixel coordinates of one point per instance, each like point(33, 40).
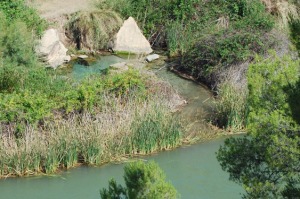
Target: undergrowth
point(295, 36)
point(18, 10)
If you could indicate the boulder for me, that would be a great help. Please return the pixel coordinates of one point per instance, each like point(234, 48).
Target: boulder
point(83, 56)
point(51, 49)
point(130, 39)
point(67, 59)
point(120, 67)
point(152, 57)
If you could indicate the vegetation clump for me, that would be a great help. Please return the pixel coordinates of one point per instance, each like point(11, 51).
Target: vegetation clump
point(18, 10)
point(143, 180)
point(99, 120)
point(238, 33)
point(295, 36)
point(93, 30)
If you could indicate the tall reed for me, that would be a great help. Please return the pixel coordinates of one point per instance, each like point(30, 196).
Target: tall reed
point(231, 106)
point(122, 126)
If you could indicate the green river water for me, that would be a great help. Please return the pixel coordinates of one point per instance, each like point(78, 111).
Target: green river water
point(193, 170)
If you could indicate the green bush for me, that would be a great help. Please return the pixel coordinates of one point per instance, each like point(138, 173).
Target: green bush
point(266, 161)
point(18, 45)
point(295, 36)
point(18, 10)
point(38, 93)
point(143, 180)
point(236, 39)
point(9, 79)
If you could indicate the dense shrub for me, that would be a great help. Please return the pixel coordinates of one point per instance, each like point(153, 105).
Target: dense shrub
point(237, 38)
point(295, 36)
point(41, 94)
point(266, 161)
point(220, 50)
point(18, 45)
point(17, 54)
point(18, 10)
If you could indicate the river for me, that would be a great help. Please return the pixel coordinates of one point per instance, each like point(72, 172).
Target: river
point(193, 170)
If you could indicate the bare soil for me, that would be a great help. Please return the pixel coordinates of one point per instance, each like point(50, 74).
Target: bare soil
point(57, 12)
point(51, 9)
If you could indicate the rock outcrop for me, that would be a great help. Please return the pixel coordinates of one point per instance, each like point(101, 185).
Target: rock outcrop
point(130, 39)
point(52, 50)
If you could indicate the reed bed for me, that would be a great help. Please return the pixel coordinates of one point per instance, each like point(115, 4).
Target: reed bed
point(231, 107)
point(120, 127)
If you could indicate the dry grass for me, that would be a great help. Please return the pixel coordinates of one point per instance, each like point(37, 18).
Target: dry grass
point(232, 95)
point(93, 30)
point(283, 10)
point(123, 126)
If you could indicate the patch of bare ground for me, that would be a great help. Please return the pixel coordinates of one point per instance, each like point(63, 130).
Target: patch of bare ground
point(57, 12)
point(50, 9)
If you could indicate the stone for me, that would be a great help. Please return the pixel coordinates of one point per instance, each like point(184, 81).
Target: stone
point(49, 38)
point(57, 55)
point(83, 62)
point(51, 49)
point(83, 56)
point(121, 66)
point(67, 59)
point(130, 39)
point(152, 57)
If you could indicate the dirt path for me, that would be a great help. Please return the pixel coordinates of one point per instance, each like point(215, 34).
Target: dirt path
point(50, 9)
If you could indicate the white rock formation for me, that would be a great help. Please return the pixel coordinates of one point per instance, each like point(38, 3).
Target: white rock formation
point(131, 39)
point(51, 49)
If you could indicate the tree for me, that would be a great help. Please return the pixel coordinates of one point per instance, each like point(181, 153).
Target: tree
point(143, 181)
point(267, 160)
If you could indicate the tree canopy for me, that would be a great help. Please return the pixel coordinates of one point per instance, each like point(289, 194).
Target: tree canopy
point(267, 160)
point(143, 181)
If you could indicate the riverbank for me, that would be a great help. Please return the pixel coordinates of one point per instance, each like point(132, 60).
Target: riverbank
point(119, 125)
point(197, 173)
point(117, 128)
